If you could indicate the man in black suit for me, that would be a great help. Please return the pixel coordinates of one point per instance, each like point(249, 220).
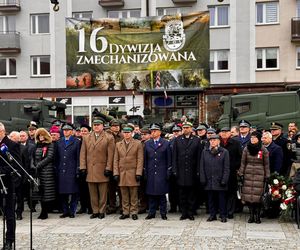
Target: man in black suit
point(10, 181)
point(187, 150)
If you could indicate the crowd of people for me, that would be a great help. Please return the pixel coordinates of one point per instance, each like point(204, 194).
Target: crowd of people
point(102, 170)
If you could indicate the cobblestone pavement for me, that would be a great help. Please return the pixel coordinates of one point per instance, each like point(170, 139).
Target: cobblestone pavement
point(112, 233)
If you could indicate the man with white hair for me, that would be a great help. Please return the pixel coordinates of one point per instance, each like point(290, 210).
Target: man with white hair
point(10, 181)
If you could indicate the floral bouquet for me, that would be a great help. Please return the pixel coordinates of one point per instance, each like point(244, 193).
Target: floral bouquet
point(282, 190)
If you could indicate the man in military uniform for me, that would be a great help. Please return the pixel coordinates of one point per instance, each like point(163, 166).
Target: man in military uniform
point(96, 160)
point(186, 157)
point(276, 131)
point(128, 169)
point(244, 132)
point(115, 131)
point(32, 127)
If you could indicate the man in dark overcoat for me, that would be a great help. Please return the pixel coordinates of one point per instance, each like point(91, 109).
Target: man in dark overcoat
point(67, 170)
point(157, 164)
point(235, 155)
point(186, 154)
point(214, 175)
point(10, 182)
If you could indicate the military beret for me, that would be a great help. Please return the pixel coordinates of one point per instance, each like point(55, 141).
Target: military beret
point(244, 123)
point(276, 125)
point(187, 124)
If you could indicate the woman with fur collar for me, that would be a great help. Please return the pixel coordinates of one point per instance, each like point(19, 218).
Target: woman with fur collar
point(43, 165)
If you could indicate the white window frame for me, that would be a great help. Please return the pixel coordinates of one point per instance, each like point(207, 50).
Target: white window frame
point(264, 22)
point(39, 66)
point(80, 14)
point(122, 11)
point(297, 54)
point(8, 75)
point(215, 60)
point(216, 25)
point(264, 59)
point(5, 24)
point(176, 10)
point(36, 17)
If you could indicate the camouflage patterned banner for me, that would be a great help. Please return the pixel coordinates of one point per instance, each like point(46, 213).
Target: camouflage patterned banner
point(165, 52)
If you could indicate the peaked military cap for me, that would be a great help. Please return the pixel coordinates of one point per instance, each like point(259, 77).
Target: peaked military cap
point(225, 129)
point(244, 123)
point(187, 124)
point(67, 126)
point(214, 137)
point(155, 127)
point(32, 124)
point(176, 128)
point(276, 125)
point(201, 127)
point(211, 130)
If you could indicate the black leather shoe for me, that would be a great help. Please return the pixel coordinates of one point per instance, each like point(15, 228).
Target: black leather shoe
point(230, 216)
point(93, 216)
point(211, 218)
point(124, 216)
point(64, 216)
point(81, 211)
point(101, 215)
point(191, 217)
point(183, 217)
point(134, 216)
point(19, 217)
point(164, 217)
point(72, 216)
point(223, 220)
point(150, 216)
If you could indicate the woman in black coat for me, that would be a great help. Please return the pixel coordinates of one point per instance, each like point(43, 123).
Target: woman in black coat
point(214, 175)
point(43, 165)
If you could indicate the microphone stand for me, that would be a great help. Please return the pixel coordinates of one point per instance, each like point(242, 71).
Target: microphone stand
point(31, 181)
point(3, 192)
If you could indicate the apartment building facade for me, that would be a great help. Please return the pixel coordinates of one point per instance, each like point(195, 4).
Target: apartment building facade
point(254, 46)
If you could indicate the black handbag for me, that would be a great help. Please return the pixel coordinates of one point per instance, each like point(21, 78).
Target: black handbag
point(266, 197)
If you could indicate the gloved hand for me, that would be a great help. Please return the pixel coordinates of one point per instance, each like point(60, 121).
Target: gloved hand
point(107, 173)
point(138, 178)
point(117, 178)
point(240, 179)
point(82, 172)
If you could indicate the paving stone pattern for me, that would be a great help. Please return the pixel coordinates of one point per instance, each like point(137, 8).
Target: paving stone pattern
point(112, 233)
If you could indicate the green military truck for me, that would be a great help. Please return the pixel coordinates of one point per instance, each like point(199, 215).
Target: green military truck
point(16, 114)
point(260, 109)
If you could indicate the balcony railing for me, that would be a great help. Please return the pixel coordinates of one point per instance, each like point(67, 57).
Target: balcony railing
point(10, 42)
point(111, 3)
point(10, 5)
point(184, 1)
point(295, 29)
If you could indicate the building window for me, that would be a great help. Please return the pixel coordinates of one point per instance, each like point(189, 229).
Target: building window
point(267, 13)
point(173, 11)
point(219, 16)
point(219, 60)
point(40, 65)
point(267, 58)
point(123, 13)
point(8, 67)
point(85, 14)
point(298, 58)
point(40, 24)
point(7, 24)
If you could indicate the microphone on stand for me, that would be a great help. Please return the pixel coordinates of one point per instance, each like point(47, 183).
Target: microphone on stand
point(4, 150)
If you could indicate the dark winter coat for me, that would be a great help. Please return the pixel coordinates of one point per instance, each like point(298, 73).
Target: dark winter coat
point(186, 159)
point(67, 165)
point(43, 163)
point(275, 157)
point(157, 162)
point(244, 141)
point(214, 169)
point(235, 154)
point(254, 169)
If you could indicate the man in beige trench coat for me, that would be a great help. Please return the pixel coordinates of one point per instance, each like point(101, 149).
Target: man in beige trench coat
point(128, 169)
point(96, 159)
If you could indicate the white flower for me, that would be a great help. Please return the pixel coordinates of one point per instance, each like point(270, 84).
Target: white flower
point(288, 194)
point(283, 206)
point(275, 181)
point(276, 192)
point(284, 187)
